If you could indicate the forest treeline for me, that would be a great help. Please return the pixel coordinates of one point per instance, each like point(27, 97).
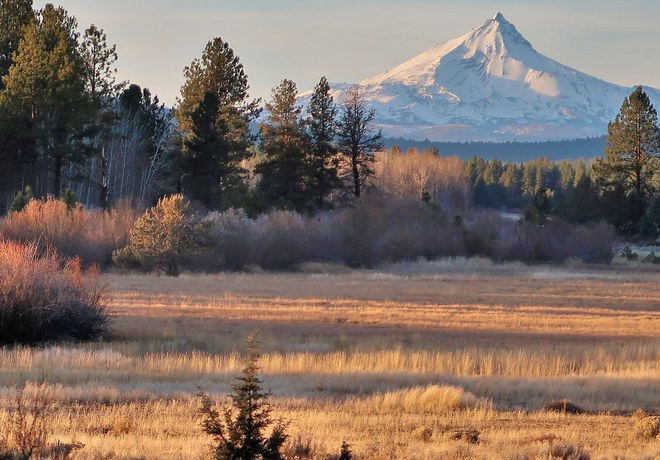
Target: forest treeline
point(511, 151)
point(69, 129)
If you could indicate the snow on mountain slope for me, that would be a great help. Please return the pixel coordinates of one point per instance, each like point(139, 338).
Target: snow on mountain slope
point(490, 84)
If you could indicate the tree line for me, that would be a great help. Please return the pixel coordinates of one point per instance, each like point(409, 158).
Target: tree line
point(622, 187)
point(69, 128)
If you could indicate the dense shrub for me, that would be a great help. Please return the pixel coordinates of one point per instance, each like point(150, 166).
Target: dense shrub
point(91, 235)
point(45, 298)
point(160, 238)
point(284, 240)
point(488, 234)
point(231, 237)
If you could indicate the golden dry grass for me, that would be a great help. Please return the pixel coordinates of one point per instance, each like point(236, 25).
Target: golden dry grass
point(398, 363)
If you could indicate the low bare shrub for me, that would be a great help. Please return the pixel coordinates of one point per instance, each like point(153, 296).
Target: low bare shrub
point(564, 407)
point(376, 231)
point(45, 298)
point(565, 451)
point(300, 448)
point(26, 431)
point(232, 237)
point(469, 435)
point(284, 240)
point(423, 433)
point(487, 234)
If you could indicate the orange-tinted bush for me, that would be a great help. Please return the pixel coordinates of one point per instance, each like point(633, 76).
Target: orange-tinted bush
point(44, 298)
point(91, 235)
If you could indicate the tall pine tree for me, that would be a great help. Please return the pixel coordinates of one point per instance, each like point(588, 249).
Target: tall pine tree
point(323, 154)
point(632, 154)
point(214, 114)
point(15, 15)
point(284, 168)
point(99, 62)
point(45, 93)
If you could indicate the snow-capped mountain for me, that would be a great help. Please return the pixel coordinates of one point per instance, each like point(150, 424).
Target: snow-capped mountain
point(490, 84)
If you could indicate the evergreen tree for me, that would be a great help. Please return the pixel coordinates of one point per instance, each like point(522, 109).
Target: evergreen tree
point(285, 145)
point(17, 152)
point(45, 92)
point(239, 432)
point(324, 160)
point(99, 61)
point(632, 153)
point(15, 15)
point(581, 203)
point(345, 452)
point(358, 140)
point(214, 116)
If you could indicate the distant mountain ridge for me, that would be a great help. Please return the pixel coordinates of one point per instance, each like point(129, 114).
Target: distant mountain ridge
point(490, 85)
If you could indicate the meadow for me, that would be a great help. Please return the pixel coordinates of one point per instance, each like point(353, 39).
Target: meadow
point(453, 359)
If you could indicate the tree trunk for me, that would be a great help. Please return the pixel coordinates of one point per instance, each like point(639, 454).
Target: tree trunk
point(57, 175)
point(104, 191)
point(356, 176)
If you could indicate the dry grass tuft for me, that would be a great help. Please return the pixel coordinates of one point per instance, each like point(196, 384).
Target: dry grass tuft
point(423, 433)
point(432, 399)
point(647, 427)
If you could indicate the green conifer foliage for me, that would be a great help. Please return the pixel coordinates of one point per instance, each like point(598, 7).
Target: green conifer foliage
point(324, 160)
point(632, 153)
point(240, 430)
point(45, 89)
point(284, 144)
point(214, 116)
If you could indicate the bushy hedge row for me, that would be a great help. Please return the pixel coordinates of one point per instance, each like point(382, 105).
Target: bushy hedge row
point(90, 234)
point(378, 232)
point(374, 231)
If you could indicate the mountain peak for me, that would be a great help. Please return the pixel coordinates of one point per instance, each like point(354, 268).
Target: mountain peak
point(490, 84)
point(500, 28)
point(499, 17)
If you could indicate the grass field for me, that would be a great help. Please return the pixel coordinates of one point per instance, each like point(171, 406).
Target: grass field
point(436, 360)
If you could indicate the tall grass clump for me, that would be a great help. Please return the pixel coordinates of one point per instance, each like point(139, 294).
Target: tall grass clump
point(45, 298)
point(432, 399)
point(92, 235)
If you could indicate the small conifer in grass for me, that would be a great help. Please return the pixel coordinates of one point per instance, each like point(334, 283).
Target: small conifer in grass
point(239, 430)
point(345, 453)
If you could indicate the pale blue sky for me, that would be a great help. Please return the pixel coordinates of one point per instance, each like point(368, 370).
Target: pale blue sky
point(618, 41)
